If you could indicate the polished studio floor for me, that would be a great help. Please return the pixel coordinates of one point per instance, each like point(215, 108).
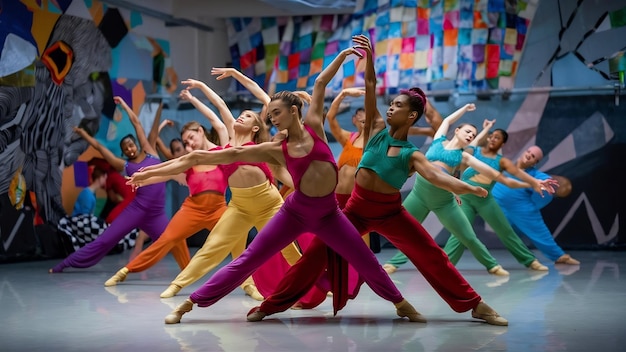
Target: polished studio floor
point(568, 309)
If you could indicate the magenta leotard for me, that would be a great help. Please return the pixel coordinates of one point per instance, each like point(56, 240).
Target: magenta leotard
point(298, 166)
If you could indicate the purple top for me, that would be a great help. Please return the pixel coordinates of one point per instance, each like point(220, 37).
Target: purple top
point(151, 196)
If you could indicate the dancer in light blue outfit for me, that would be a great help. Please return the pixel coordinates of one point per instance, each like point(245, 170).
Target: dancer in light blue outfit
point(522, 208)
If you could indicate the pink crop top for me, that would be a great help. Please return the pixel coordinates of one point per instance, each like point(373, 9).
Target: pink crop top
point(213, 180)
point(230, 169)
point(298, 166)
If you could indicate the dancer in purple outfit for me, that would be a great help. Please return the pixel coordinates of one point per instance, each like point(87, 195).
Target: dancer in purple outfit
point(146, 211)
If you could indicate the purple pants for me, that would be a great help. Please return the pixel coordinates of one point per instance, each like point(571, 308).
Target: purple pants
point(152, 221)
point(301, 214)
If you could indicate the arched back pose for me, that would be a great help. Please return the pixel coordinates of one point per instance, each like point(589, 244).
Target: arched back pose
point(487, 207)
point(311, 208)
point(522, 208)
point(147, 209)
point(425, 197)
point(375, 205)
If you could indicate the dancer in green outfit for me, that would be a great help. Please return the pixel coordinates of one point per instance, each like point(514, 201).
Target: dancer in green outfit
point(487, 207)
point(426, 197)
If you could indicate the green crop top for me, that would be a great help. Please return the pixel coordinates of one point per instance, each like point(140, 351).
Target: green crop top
point(392, 169)
point(437, 152)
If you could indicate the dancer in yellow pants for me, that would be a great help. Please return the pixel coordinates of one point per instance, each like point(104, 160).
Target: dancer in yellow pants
point(254, 199)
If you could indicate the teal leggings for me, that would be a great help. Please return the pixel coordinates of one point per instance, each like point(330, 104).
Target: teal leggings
point(426, 197)
point(490, 211)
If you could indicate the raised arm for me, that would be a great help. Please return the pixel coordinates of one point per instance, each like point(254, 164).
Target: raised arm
point(153, 136)
point(116, 162)
point(315, 115)
point(487, 125)
point(245, 81)
point(215, 121)
point(373, 120)
point(134, 120)
point(339, 133)
point(217, 101)
point(433, 119)
point(160, 145)
point(442, 180)
point(450, 120)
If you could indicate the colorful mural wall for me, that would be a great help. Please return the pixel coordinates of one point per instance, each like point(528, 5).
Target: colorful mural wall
point(477, 44)
point(62, 62)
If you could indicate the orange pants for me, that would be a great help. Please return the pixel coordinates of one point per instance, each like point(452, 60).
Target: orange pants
point(201, 211)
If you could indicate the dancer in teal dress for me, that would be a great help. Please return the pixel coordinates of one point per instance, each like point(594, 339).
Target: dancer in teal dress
point(426, 197)
point(487, 207)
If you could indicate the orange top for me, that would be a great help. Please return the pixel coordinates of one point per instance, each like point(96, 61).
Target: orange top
point(350, 155)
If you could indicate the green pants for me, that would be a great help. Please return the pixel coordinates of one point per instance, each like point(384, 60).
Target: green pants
point(490, 211)
point(426, 197)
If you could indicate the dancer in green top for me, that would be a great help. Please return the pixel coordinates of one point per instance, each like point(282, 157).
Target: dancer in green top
point(426, 197)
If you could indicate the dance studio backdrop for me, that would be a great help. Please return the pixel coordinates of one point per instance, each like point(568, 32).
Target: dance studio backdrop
point(545, 56)
point(63, 61)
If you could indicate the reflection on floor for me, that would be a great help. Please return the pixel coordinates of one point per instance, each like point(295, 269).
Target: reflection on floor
point(567, 309)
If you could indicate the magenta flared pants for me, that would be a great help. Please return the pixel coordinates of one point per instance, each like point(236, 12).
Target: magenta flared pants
point(301, 214)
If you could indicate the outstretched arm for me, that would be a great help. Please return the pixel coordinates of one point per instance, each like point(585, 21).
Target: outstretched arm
point(491, 173)
point(450, 120)
point(270, 152)
point(217, 101)
point(215, 121)
point(339, 133)
point(373, 120)
point(134, 120)
point(440, 179)
point(315, 115)
point(538, 185)
point(117, 163)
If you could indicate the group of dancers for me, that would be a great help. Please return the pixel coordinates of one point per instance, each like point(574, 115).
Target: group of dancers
point(314, 240)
